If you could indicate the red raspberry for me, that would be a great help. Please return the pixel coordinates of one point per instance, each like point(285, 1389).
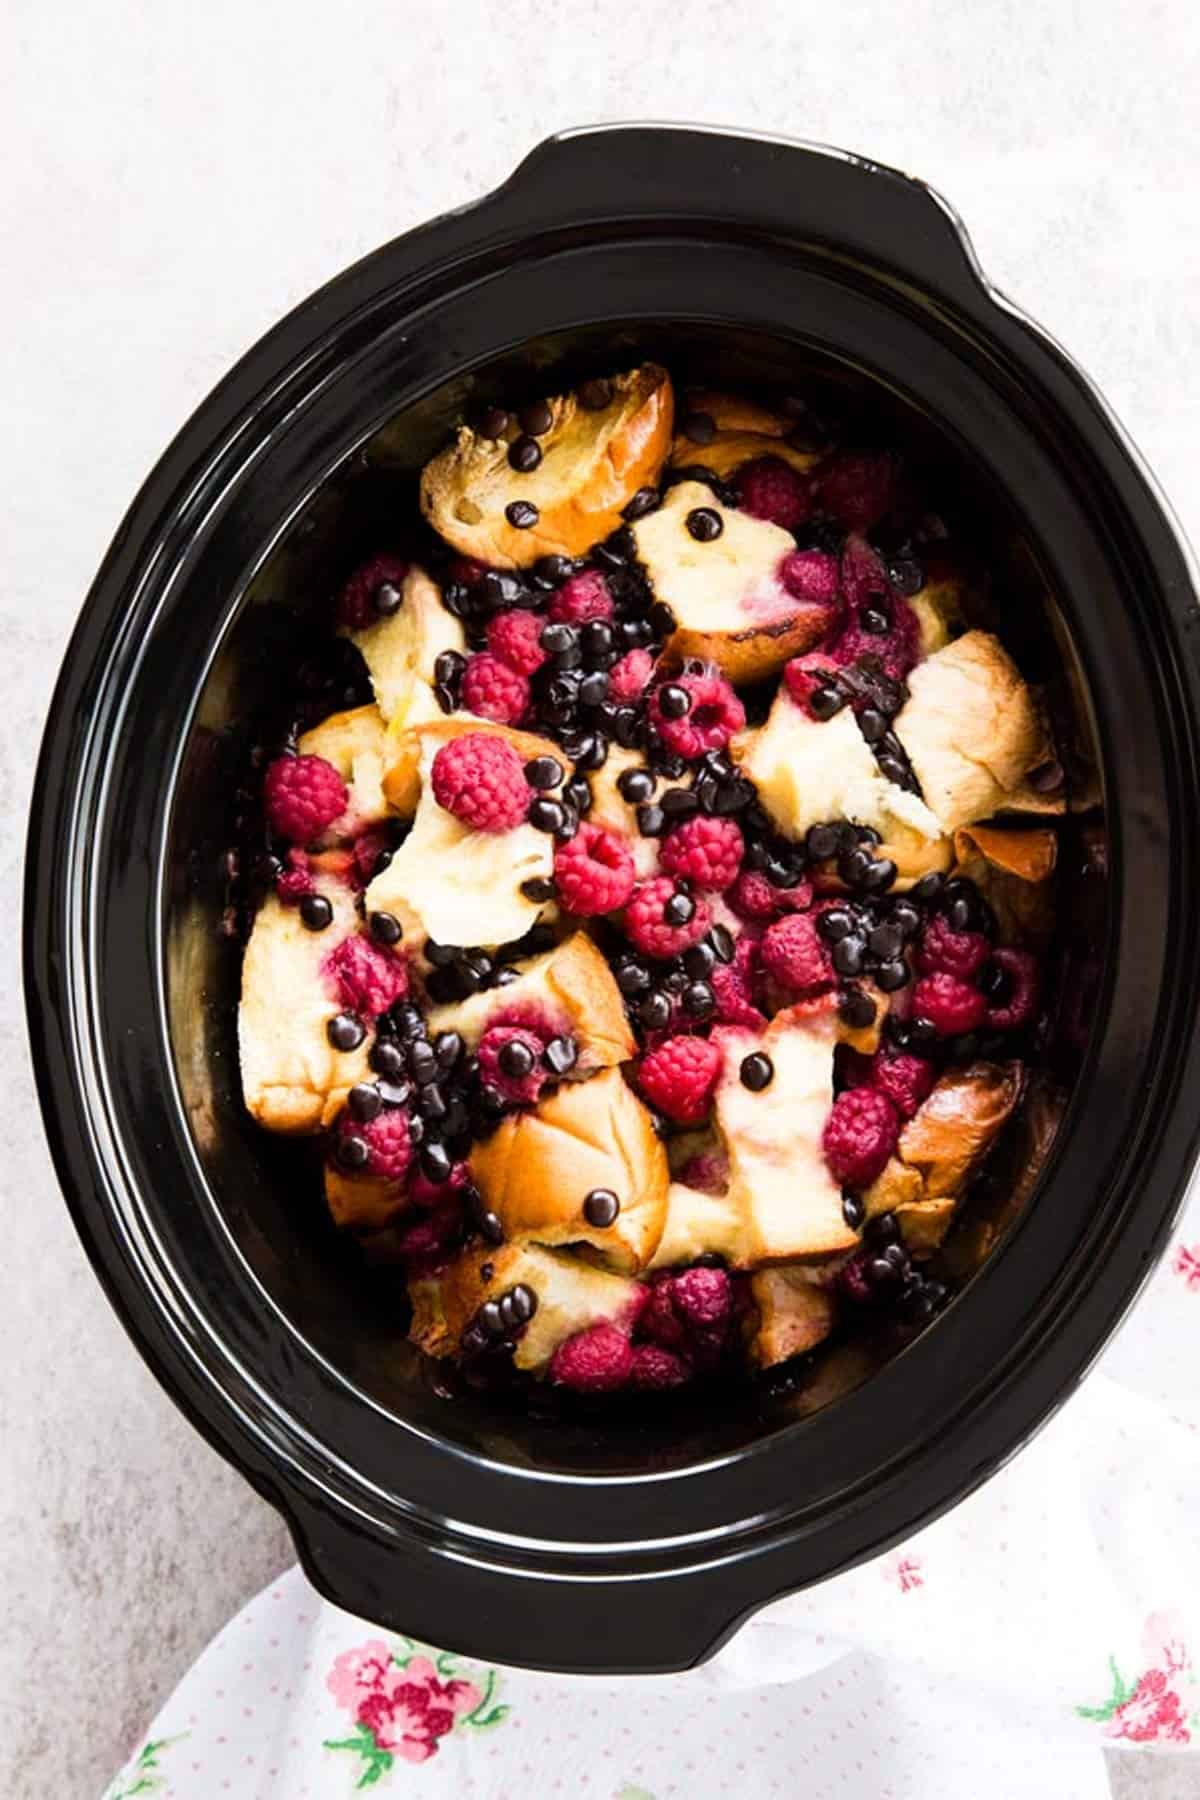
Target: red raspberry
point(811, 576)
point(702, 1297)
point(948, 1003)
point(427, 1242)
point(714, 714)
point(519, 1090)
point(629, 678)
point(805, 674)
point(493, 690)
point(596, 1361)
point(428, 1194)
point(680, 1077)
point(1024, 983)
point(690, 1312)
point(961, 953)
point(853, 1279)
point(356, 602)
point(656, 1370)
point(296, 880)
point(733, 987)
point(863, 578)
point(387, 1139)
point(898, 649)
point(585, 596)
point(752, 896)
point(905, 1079)
point(707, 1172)
point(706, 852)
point(481, 780)
point(795, 956)
point(594, 871)
point(302, 795)
point(514, 637)
point(366, 978)
point(648, 929)
point(860, 1134)
point(770, 489)
point(366, 850)
point(857, 488)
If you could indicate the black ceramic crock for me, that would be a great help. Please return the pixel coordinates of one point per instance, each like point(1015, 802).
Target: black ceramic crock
point(639, 1546)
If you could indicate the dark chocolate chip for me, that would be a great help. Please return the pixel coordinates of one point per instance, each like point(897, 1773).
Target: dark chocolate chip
point(536, 419)
point(698, 962)
point(822, 842)
point(756, 1072)
point(387, 599)
point(651, 821)
point(385, 928)
point(853, 1210)
point(521, 514)
point(539, 888)
point(435, 1162)
point(515, 1059)
point(721, 939)
point(856, 1008)
point(345, 1032)
point(655, 1012)
point(698, 427)
point(825, 701)
point(893, 974)
point(601, 1207)
point(546, 815)
point(680, 909)
point(353, 1151)
point(849, 955)
point(388, 1060)
point(646, 500)
point(699, 1001)
point(494, 422)
point(524, 454)
point(316, 912)
point(705, 524)
point(674, 701)
point(836, 924)
point(594, 395)
point(394, 1093)
point(560, 1054)
point(635, 785)
point(679, 803)
point(365, 1101)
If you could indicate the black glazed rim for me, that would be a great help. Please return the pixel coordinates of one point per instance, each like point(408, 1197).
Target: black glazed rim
point(656, 1570)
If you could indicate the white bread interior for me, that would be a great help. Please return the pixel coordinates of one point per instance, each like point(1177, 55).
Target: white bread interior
point(400, 652)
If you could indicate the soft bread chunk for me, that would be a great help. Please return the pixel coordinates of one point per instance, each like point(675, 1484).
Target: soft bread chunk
point(971, 729)
point(293, 1079)
point(943, 1145)
point(400, 652)
point(792, 1312)
point(453, 884)
point(356, 744)
point(592, 465)
point(730, 606)
point(612, 812)
point(536, 1171)
point(568, 990)
point(571, 1294)
point(790, 1204)
point(696, 1224)
point(939, 609)
point(809, 771)
point(362, 1202)
point(744, 432)
point(1014, 870)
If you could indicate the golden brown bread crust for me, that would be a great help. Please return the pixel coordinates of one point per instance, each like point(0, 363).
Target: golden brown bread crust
point(745, 431)
point(537, 1169)
point(792, 1312)
point(1014, 870)
point(362, 1202)
point(574, 984)
point(947, 1140)
point(755, 651)
point(402, 780)
point(592, 465)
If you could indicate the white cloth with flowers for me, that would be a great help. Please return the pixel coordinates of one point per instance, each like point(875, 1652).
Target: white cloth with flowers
point(1053, 1613)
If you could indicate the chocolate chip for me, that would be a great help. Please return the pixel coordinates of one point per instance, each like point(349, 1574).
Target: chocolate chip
point(539, 888)
point(490, 1227)
point(546, 815)
point(489, 1319)
point(494, 422)
point(387, 1059)
point(892, 975)
point(515, 1059)
point(445, 696)
point(353, 1152)
point(874, 620)
point(906, 919)
point(655, 1012)
point(596, 640)
point(853, 1211)
point(365, 1101)
point(600, 1208)
point(699, 961)
point(385, 928)
point(679, 803)
point(853, 865)
point(593, 689)
point(929, 887)
point(560, 1054)
point(440, 955)
point(632, 977)
point(885, 940)
point(646, 500)
point(422, 1062)
point(1048, 778)
point(386, 599)
point(880, 876)
point(536, 419)
point(435, 1162)
point(825, 701)
point(872, 724)
point(625, 726)
point(521, 514)
point(836, 924)
point(501, 588)
point(822, 842)
point(524, 1302)
point(662, 619)
point(447, 1047)
point(849, 955)
point(906, 575)
point(674, 702)
point(635, 785)
point(524, 454)
point(756, 1072)
point(316, 912)
point(705, 524)
point(721, 939)
point(594, 395)
point(699, 427)
point(699, 1001)
point(394, 1093)
point(432, 1101)
point(345, 1032)
point(680, 909)
point(651, 821)
point(856, 1008)
point(543, 772)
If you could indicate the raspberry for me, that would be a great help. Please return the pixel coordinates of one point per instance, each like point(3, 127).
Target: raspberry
point(629, 678)
point(811, 576)
point(898, 648)
point(1024, 983)
point(961, 953)
point(769, 489)
point(656, 1370)
point(428, 1194)
point(428, 1241)
point(905, 1079)
point(518, 1090)
point(733, 987)
point(690, 1312)
point(514, 638)
point(714, 714)
point(594, 872)
point(804, 675)
point(296, 880)
point(857, 488)
point(366, 850)
point(853, 1279)
point(302, 795)
point(596, 1361)
point(795, 956)
point(389, 1145)
point(650, 931)
point(863, 578)
point(707, 1172)
point(679, 1078)
point(481, 780)
point(366, 978)
point(948, 1003)
point(583, 597)
point(860, 1134)
point(707, 852)
point(752, 896)
point(493, 690)
point(702, 1297)
point(356, 602)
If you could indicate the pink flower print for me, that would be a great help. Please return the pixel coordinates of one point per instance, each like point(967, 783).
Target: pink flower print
point(905, 1570)
point(1186, 1264)
point(1157, 1708)
point(359, 1672)
point(403, 1703)
point(1153, 1713)
point(412, 1709)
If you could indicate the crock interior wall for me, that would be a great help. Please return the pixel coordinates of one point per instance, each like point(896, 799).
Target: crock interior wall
point(268, 1188)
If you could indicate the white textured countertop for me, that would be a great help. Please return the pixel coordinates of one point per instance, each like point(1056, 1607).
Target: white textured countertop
point(175, 179)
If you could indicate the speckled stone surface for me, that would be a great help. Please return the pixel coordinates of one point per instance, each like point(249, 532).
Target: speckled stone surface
point(175, 178)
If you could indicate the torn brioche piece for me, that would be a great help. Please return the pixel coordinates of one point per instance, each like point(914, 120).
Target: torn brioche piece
point(400, 651)
point(612, 812)
point(448, 882)
point(363, 1203)
point(293, 1080)
point(699, 1224)
point(941, 1148)
point(730, 604)
point(792, 1310)
point(589, 464)
point(568, 991)
point(789, 1202)
point(539, 1173)
point(356, 744)
point(570, 1295)
point(742, 431)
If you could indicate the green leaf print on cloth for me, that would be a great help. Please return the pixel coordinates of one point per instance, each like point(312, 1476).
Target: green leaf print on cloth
point(403, 1700)
point(145, 1774)
point(1160, 1706)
